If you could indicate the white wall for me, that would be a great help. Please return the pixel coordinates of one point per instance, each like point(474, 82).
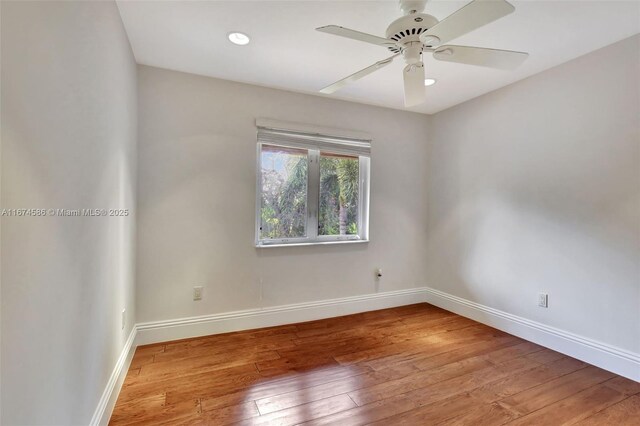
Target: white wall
point(68, 141)
point(196, 205)
point(536, 188)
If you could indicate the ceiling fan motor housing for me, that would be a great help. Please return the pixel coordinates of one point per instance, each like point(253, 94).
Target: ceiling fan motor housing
point(407, 30)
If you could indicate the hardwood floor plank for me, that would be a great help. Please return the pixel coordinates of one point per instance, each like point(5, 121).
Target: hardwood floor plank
point(149, 349)
point(237, 337)
point(230, 414)
point(394, 405)
point(367, 414)
point(304, 412)
point(371, 319)
point(624, 413)
point(335, 347)
point(566, 365)
point(383, 390)
point(623, 385)
point(141, 360)
point(157, 414)
point(329, 389)
point(470, 381)
point(132, 410)
point(259, 344)
point(283, 365)
point(540, 396)
point(573, 408)
point(518, 383)
point(545, 356)
point(281, 386)
point(465, 349)
point(433, 355)
point(512, 351)
point(391, 405)
point(411, 365)
point(481, 415)
point(438, 339)
point(211, 383)
point(459, 409)
point(204, 363)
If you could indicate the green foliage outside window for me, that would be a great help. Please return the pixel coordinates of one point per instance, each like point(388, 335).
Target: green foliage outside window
point(284, 194)
point(338, 196)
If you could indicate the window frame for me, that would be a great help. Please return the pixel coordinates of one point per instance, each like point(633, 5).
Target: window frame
point(313, 200)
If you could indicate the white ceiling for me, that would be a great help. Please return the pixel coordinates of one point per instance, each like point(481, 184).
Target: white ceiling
point(287, 53)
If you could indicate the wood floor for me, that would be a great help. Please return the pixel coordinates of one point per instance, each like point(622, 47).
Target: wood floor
point(412, 365)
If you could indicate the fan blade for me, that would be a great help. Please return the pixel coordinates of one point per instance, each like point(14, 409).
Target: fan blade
point(414, 91)
point(492, 58)
point(356, 35)
point(473, 15)
point(358, 75)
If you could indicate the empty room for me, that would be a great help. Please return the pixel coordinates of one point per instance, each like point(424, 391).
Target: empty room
point(320, 212)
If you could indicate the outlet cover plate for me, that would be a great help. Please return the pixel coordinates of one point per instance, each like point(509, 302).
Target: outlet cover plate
point(197, 293)
point(543, 300)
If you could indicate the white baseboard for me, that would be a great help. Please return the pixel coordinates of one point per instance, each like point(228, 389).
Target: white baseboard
point(162, 331)
point(108, 400)
point(605, 356)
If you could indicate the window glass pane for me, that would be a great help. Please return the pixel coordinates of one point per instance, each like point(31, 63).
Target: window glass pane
point(283, 207)
point(339, 187)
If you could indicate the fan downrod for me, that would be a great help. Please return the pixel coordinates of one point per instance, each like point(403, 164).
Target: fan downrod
point(410, 7)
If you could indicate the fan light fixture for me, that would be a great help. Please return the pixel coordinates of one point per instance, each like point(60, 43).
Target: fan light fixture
point(240, 39)
point(429, 81)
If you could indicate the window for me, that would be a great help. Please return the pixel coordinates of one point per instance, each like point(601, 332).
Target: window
point(312, 189)
point(339, 189)
point(283, 208)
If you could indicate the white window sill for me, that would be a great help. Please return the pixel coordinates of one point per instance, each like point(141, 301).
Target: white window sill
point(315, 243)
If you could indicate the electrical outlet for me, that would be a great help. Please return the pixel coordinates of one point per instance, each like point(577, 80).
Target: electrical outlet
point(124, 318)
point(543, 300)
point(197, 293)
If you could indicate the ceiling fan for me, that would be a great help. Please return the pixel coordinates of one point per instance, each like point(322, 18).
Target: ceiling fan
point(417, 33)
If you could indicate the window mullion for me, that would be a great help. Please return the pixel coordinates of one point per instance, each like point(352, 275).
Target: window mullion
point(313, 194)
point(363, 207)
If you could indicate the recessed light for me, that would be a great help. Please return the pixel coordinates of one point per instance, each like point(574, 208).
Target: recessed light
point(429, 81)
point(239, 38)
